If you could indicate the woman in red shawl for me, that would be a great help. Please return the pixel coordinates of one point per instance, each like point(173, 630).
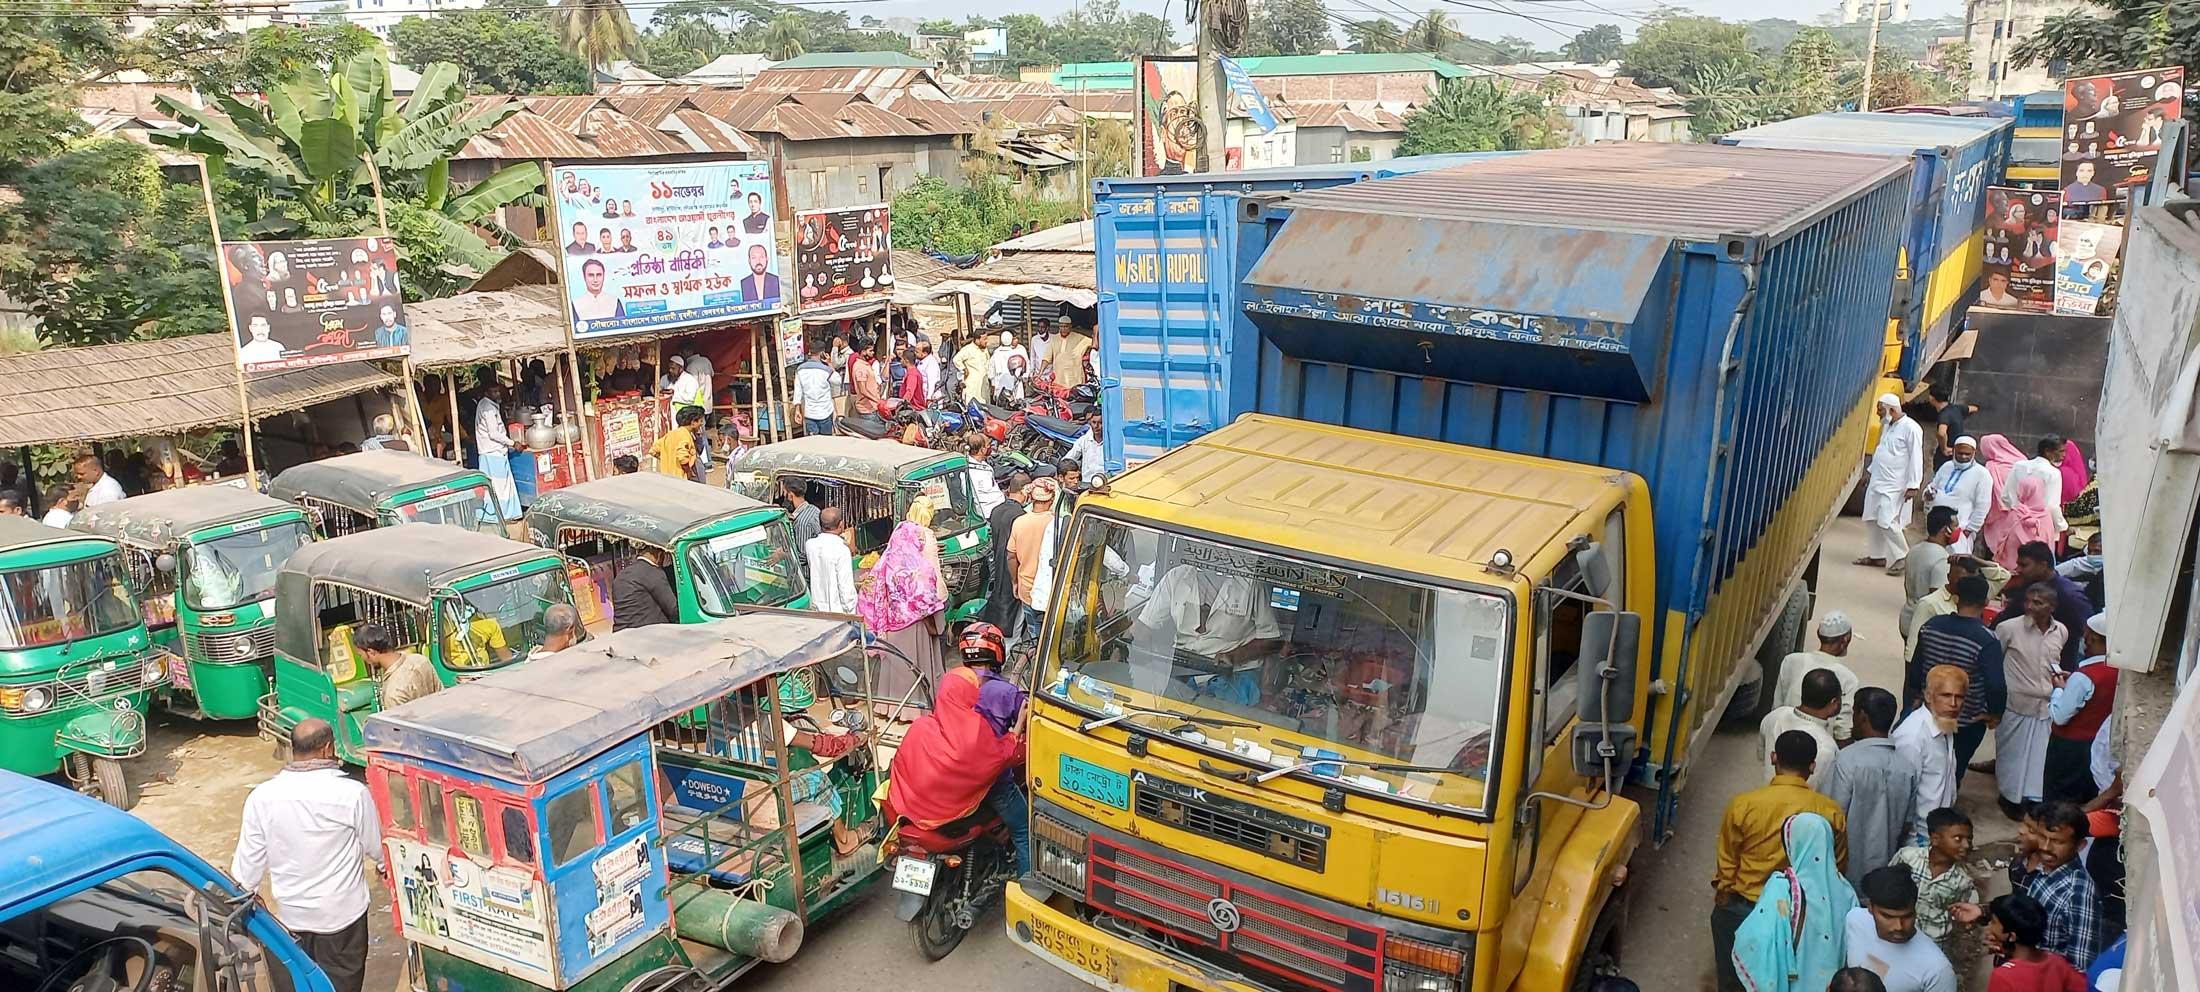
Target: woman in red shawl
point(957, 757)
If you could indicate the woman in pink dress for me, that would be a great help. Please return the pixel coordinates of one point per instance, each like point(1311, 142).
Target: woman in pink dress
point(2000, 456)
point(2030, 520)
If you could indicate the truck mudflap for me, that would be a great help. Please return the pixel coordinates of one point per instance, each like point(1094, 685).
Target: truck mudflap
point(1102, 960)
point(114, 732)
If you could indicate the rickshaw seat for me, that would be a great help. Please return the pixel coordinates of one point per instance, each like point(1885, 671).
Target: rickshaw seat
point(357, 695)
point(686, 853)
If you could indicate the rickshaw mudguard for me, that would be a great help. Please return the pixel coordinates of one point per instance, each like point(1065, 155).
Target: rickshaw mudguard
point(105, 732)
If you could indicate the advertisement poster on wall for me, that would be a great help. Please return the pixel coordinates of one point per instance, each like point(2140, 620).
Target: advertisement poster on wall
point(2020, 249)
point(496, 916)
point(2085, 264)
point(654, 247)
point(2112, 132)
point(842, 256)
point(1169, 132)
point(298, 303)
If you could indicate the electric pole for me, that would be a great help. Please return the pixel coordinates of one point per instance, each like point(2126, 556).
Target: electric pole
point(1871, 58)
point(1208, 83)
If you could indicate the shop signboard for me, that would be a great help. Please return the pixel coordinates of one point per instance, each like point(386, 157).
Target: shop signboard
point(650, 248)
point(843, 256)
point(298, 303)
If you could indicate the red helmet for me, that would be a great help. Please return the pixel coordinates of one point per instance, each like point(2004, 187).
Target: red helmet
point(983, 644)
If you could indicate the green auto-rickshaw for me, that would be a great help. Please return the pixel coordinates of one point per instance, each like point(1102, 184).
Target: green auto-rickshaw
point(206, 558)
point(873, 483)
point(471, 602)
point(75, 664)
point(369, 489)
point(727, 550)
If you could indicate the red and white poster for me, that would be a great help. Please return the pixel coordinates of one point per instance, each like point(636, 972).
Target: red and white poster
point(2112, 132)
point(2020, 250)
point(843, 256)
point(299, 303)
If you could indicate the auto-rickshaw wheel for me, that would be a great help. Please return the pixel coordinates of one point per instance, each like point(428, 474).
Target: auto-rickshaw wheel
point(103, 778)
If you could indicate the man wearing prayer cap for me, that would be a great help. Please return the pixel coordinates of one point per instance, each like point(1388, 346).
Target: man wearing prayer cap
point(1964, 485)
point(1891, 484)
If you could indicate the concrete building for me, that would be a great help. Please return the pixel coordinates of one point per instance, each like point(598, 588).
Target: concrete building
point(1402, 77)
point(1856, 11)
point(840, 148)
point(379, 16)
point(1334, 132)
point(1600, 105)
point(1993, 28)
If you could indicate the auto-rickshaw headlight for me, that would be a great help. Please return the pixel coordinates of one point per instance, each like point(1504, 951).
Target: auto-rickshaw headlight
point(153, 669)
point(35, 699)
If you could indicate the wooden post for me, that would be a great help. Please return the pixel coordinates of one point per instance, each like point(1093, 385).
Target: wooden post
point(172, 460)
point(229, 304)
point(419, 431)
point(458, 444)
point(589, 454)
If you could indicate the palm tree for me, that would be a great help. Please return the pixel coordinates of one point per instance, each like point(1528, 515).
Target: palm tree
point(1432, 32)
point(787, 36)
point(1373, 36)
point(953, 55)
point(597, 31)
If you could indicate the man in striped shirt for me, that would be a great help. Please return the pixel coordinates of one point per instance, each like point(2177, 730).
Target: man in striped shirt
point(1962, 640)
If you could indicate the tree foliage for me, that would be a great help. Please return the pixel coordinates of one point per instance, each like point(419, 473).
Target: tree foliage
point(1674, 49)
point(2115, 35)
point(298, 165)
point(1601, 43)
point(500, 50)
point(930, 214)
point(599, 32)
point(1473, 114)
point(689, 33)
point(1376, 35)
point(1288, 27)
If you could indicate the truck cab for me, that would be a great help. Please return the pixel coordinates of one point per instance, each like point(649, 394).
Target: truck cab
point(1352, 665)
point(90, 894)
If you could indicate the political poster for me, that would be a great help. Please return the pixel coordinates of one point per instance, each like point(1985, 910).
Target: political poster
point(842, 256)
point(2085, 265)
point(647, 248)
point(1245, 97)
point(1170, 135)
point(2112, 133)
point(2020, 249)
point(298, 303)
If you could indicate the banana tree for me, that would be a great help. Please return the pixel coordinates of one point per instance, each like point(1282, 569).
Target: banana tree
point(304, 162)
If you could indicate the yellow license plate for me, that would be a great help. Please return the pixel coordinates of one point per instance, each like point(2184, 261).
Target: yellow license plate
point(1075, 949)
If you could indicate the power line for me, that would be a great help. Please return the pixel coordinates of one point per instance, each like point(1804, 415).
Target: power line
point(125, 10)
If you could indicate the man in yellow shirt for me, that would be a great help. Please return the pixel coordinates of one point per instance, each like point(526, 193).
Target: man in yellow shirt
point(675, 449)
point(480, 644)
point(1753, 845)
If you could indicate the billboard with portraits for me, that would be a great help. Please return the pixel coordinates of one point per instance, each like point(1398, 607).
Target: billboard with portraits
point(298, 303)
point(1170, 135)
point(2020, 249)
point(2112, 133)
point(646, 248)
point(2085, 267)
point(842, 256)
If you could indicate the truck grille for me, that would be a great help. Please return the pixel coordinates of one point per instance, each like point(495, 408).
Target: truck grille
point(1305, 947)
point(1232, 828)
point(231, 647)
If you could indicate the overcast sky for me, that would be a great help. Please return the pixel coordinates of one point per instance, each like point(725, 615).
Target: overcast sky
point(1558, 17)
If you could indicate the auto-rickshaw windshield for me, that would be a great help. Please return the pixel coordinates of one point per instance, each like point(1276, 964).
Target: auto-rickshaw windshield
point(753, 566)
point(235, 569)
point(500, 623)
point(61, 603)
point(1328, 661)
point(468, 508)
point(950, 492)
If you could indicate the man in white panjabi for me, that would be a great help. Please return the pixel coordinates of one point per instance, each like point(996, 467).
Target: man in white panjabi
point(1891, 482)
point(1965, 485)
point(2032, 647)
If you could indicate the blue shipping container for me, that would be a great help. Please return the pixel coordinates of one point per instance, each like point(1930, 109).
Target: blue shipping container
point(1709, 318)
point(1168, 272)
point(1956, 159)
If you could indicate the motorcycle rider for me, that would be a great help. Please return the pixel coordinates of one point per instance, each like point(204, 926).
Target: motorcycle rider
point(969, 750)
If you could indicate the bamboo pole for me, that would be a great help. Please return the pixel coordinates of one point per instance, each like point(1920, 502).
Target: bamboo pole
point(458, 444)
point(229, 304)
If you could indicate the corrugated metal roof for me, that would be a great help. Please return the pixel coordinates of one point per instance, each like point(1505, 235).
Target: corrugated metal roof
point(824, 103)
point(652, 109)
point(787, 79)
point(942, 116)
point(1351, 115)
point(526, 136)
point(563, 111)
point(712, 134)
point(1694, 192)
point(996, 89)
point(1878, 133)
point(1347, 63)
point(1106, 102)
point(846, 60)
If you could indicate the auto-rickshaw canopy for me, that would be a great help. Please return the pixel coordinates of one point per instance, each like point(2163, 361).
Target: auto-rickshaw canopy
point(648, 507)
point(883, 464)
point(164, 519)
point(360, 481)
point(22, 533)
point(530, 722)
point(407, 563)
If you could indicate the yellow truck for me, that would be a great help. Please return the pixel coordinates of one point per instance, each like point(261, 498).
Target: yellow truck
point(1380, 686)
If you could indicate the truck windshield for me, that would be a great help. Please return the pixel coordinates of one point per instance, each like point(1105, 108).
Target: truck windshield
point(1331, 662)
point(500, 622)
point(950, 491)
point(236, 569)
point(61, 603)
point(468, 508)
point(753, 566)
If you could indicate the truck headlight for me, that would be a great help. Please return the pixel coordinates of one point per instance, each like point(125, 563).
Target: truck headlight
point(1058, 854)
point(1419, 966)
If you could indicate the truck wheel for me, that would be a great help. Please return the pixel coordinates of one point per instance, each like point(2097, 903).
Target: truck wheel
point(1754, 698)
point(1600, 955)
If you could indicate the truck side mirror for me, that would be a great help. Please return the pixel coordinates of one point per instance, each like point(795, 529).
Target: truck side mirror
point(1596, 569)
point(1604, 680)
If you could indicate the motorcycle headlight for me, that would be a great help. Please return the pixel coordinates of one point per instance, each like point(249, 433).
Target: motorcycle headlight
point(153, 669)
point(1419, 966)
point(1058, 854)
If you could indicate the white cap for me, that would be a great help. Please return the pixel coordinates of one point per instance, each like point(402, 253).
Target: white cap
point(675, 359)
point(1965, 439)
point(1890, 399)
point(2097, 623)
point(1834, 625)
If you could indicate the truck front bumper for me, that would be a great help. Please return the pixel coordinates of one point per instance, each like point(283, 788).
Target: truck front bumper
point(1100, 959)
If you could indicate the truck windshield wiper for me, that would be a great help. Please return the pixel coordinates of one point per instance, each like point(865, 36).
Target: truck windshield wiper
point(1249, 775)
point(1130, 711)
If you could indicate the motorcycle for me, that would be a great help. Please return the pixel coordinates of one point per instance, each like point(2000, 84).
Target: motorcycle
point(944, 879)
point(885, 424)
point(1046, 438)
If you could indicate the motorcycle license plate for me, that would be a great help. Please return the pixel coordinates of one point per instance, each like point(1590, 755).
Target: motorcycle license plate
point(914, 875)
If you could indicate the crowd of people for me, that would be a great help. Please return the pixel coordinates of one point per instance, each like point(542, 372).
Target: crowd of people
point(1851, 868)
